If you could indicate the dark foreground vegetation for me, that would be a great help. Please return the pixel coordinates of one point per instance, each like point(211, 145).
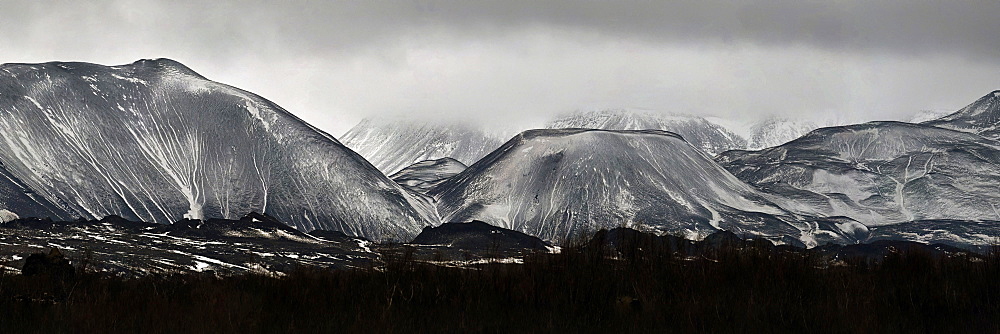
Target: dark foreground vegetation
point(636, 286)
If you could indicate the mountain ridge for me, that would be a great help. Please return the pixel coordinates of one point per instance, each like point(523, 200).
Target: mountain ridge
point(153, 139)
point(555, 183)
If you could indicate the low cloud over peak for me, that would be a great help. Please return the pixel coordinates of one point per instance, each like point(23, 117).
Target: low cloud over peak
point(334, 63)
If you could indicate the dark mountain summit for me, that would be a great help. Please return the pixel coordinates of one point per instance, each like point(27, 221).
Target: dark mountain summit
point(477, 235)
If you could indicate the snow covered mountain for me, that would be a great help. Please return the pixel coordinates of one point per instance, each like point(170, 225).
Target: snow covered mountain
point(774, 131)
point(424, 175)
point(155, 141)
point(979, 236)
point(562, 183)
point(981, 117)
point(880, 173)
point(708, 136)
point(392, 144)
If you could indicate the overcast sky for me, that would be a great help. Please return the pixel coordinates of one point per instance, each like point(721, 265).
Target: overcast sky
point(519, 62)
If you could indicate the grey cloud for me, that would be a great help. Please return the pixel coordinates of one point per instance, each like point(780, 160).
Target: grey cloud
point(334, 62)
point(961, 27)
point(964, 27)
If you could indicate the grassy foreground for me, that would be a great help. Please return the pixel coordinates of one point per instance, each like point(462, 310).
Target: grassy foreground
point(580, 290)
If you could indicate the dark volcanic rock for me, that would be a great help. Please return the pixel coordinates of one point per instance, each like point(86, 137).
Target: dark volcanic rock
point(335, 236)
point(629, 242)
point(255, 243)
point(878, 250)
point(477, 235)
point(109, 223)
point(251, 226)
point(625, 239)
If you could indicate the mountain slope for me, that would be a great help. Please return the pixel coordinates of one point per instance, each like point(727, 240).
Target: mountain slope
point(393, 144)
point(924, 116)
point(981, 117)
point(424, 175)
point(979, 236)
point(557, 184)
point(18, 200)
point(155, 141)
point(880, 173)
point(701, 133)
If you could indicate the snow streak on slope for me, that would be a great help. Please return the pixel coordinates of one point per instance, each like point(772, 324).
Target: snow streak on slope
point(393, 144)
point(155, 141)
point(701, 133)
point(880, 173)
point(18, 200)
point(555, 184)
point(424, 175)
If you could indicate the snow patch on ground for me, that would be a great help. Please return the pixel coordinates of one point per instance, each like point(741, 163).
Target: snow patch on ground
point(6, 216)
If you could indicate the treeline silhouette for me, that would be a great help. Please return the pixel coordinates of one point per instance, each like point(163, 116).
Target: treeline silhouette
point(615, 282)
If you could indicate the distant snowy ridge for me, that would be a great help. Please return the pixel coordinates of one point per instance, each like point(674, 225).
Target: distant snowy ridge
point(392, 144)
point(928, 115)
point(708, 136)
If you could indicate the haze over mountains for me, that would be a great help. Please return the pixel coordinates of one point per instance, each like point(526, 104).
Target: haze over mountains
point(155, 141)
point(393, 143)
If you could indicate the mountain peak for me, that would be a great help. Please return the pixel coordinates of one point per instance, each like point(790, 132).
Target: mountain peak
point(981, 117)
point(150, 141)
point(166, 64)
point(159, 65)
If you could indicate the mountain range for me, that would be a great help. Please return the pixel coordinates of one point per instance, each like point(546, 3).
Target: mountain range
point(393, 143)
point(155, 141)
